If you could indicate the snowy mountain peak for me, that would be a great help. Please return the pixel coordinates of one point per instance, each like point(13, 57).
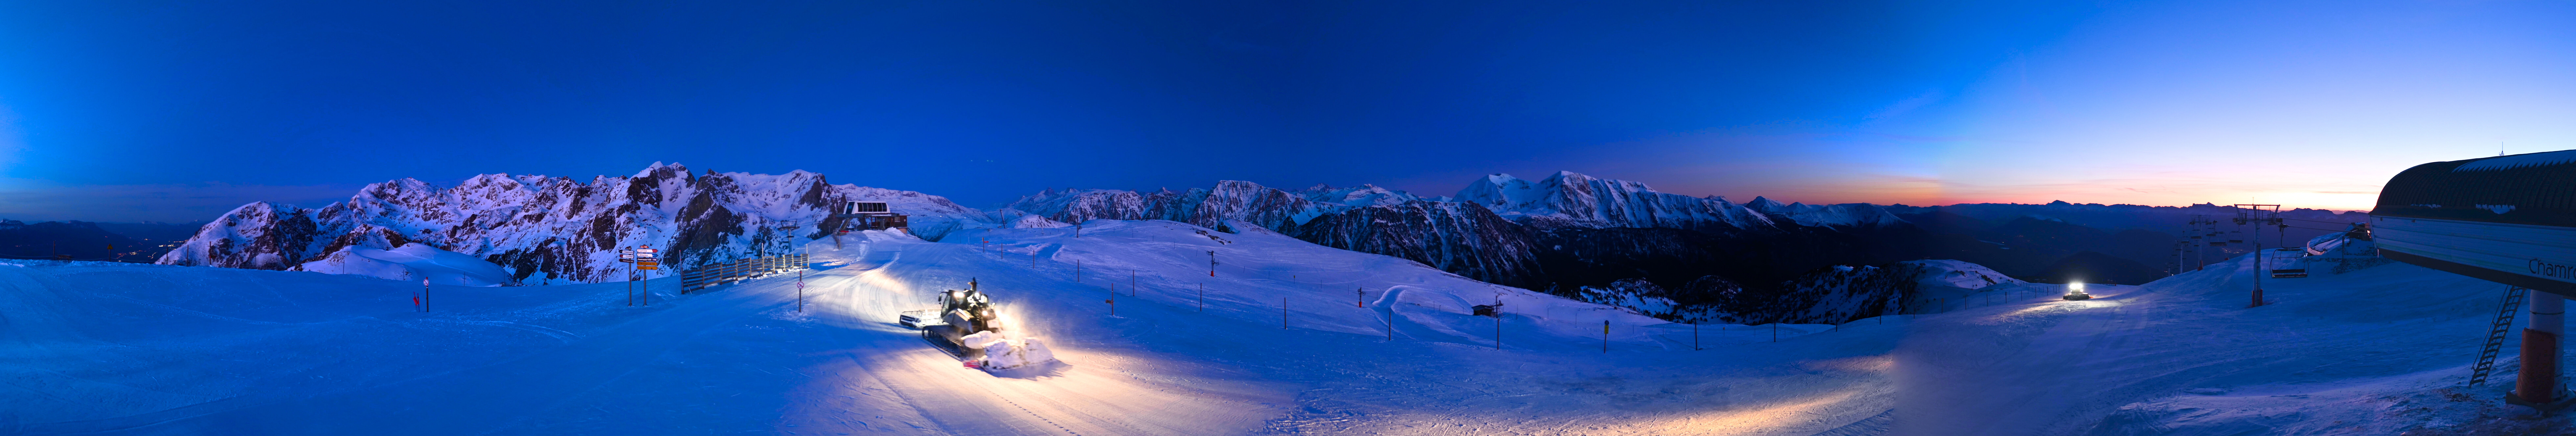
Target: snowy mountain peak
point(661, 170)
point(1854, 215)
point(1569, 199)
point(567, 230)
point(1497, 190)
point(1362, 195)
point(1228, 200)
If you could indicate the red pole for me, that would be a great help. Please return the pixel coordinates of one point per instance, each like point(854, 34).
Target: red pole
point(2538, 381)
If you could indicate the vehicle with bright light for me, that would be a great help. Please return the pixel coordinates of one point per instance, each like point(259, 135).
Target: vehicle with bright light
point(970, 327)
point(2075, 291)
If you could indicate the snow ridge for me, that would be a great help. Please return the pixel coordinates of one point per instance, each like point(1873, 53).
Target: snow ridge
point(1846, 215)
point(565, 229)
point(1567, 199)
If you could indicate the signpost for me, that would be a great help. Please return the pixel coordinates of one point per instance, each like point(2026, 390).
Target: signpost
point(644, 260)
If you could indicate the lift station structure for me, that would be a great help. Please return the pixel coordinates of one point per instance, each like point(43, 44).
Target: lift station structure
point(2505, 219)
point(871, 215)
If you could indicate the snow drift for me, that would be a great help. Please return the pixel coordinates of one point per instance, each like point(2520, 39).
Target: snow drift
point(411, 262)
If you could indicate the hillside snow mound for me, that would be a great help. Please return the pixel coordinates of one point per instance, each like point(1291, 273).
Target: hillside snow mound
point(411, 262)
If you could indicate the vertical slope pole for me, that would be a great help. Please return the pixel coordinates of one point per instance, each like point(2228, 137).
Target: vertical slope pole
point(2496, 333)
point(2538, 382)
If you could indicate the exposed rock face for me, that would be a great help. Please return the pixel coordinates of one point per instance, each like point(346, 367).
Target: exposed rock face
point(1567, 200)
point(257, 235)
point(1846, 215)
point(1229, 200)
point(1562, 233)
point(1461, 238)
point(557, 229)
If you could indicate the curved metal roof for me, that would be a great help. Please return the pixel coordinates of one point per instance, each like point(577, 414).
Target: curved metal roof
point(2533, 189)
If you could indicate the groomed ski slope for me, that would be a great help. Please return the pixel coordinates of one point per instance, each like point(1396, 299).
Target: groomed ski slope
point(2378, 351)
point(102, 348)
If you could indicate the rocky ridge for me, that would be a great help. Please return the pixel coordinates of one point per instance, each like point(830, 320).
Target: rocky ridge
point(559, 229)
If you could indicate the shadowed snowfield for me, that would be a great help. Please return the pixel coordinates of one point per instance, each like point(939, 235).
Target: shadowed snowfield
point(103, 348)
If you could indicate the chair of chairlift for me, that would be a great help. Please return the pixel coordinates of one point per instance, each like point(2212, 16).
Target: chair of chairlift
point(2296, 266)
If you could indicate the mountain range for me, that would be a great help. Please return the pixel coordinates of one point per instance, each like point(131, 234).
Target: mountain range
point(1569, 234)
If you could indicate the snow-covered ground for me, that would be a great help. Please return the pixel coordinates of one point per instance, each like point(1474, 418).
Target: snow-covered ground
point(148, 349)
point(410, 262)
point(2383, 350)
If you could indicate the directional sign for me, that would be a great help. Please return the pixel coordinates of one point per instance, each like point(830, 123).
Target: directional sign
point(647, 263)
point(647, 250)
point(648, 267)
point(644, 255)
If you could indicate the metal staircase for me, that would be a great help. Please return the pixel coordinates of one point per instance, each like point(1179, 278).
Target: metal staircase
point(2513, 299)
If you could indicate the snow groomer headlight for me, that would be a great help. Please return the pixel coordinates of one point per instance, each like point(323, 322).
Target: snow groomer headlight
point(2075, 291)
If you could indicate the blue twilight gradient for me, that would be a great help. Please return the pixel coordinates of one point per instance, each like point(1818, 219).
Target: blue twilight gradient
point(176, 111)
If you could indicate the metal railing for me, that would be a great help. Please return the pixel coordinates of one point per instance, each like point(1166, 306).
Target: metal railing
point(737, 271)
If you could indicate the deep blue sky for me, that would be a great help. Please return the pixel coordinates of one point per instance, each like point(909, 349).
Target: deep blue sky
point(124, 111)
